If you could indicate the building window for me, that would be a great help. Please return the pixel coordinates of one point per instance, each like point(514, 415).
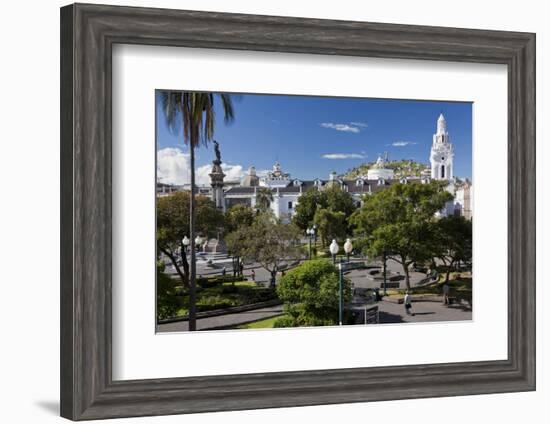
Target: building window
point(289, 205)
point(442, 171)
point(359, 182)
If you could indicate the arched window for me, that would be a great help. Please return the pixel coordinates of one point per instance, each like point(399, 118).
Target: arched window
point(442, 171)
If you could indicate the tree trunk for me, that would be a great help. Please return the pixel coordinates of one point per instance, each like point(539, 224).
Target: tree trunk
point(406, 271)
point(273, 277)
point(185, 264)
point(184, 276)
point(193, 270)
point(448, 273)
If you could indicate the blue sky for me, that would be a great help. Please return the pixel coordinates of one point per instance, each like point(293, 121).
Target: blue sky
point(311, 136)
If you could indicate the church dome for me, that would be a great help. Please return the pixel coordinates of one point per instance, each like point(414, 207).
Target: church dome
point(379, 170)
point(251, 180)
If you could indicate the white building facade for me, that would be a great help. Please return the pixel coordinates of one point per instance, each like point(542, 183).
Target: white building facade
point(286, 190)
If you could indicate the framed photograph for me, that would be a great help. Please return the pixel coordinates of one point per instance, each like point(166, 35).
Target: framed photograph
point(264, 212)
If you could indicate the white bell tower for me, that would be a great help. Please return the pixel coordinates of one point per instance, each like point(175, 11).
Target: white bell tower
point(442, 154)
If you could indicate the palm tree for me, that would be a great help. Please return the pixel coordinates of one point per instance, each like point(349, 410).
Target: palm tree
point(264, 197)
point(196, 112)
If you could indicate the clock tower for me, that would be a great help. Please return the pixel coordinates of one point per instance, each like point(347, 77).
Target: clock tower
point(441, 155)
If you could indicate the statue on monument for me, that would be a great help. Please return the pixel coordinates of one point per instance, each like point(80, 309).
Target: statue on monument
point(218, 159)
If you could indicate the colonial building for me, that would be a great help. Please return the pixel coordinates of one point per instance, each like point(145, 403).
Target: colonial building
point(286, 190)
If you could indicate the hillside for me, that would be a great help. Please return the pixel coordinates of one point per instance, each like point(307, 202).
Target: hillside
point(404, 167)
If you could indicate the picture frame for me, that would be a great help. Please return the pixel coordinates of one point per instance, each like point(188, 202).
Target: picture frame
point(88, 33)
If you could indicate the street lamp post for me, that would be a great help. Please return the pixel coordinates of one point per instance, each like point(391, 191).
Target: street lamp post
point(198, 241)
point(334, 248)
point(185, 241)
point(340, 293)
point(348, 247)
point(309, 233)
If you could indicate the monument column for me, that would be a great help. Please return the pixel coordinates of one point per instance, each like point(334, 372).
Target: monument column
point(216, 179)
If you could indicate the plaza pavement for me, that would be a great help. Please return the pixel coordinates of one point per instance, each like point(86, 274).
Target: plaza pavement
point(223, 320)
point(390, 312)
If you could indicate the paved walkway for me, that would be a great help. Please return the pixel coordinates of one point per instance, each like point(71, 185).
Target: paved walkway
point(393, 313)
point(390, 313)
point(223, 320)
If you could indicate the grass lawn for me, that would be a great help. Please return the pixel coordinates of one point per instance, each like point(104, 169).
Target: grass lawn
point(226, 295)
point(263, 323)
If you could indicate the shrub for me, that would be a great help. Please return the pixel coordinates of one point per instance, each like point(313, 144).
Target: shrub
point(311, 294)
point(217, 280)
point(284, 321)
point(168, 301)
point(209, 303)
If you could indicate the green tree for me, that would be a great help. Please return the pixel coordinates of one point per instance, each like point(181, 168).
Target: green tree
point(308, 204)
point(339, 200)
point(311, 294)
point(331, 198)
point(330, 224)
point(193, 113)
point(168, 303)
point(267, 241)
point(399, 220)
point(264, 197)
point(239, 216)
point(173, 225)
point(452, 242)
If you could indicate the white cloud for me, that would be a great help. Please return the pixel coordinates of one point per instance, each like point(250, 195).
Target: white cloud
point(173, 168)
point(403, 143)
point(341, 127)
point(344, 156)
point(359, 124)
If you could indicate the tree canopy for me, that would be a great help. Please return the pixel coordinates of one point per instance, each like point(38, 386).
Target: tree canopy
point(173, 225)
point(452, 241)
point(400, 220)
point(311, 292)
point(267, 241)
point(331, 225)
point(239, 216)
point(329, 209)
point(264, 197)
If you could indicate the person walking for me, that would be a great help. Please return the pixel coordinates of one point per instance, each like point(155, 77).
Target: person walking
point(446, 291)
point(223, 271)
point(253, 275)
point(407, 301)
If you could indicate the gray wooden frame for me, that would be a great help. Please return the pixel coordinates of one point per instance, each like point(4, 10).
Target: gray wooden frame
point(88, 33)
